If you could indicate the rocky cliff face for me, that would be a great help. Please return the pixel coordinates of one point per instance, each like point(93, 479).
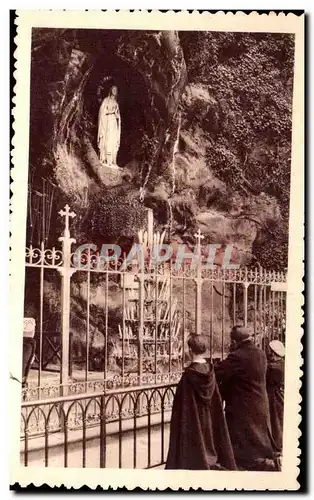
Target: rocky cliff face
point(175, 118)
point(206, 124)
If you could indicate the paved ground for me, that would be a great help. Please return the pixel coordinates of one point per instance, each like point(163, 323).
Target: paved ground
point(75, 451)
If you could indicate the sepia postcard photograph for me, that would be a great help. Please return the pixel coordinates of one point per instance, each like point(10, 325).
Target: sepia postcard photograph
point(156, 250)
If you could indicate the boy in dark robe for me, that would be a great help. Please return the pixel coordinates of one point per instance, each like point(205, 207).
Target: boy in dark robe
point(242, 376)
point(275, 390)
point(199, 438)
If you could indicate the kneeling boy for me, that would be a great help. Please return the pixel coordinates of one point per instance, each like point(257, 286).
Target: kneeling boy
point(199, 438)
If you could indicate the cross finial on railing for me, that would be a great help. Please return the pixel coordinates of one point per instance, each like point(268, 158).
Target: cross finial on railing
point(199, 237)
point(67, 214)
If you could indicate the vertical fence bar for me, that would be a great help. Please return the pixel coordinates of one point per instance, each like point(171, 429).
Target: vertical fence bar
point(156, 322)
point(260, 308)
point(272, 293)
point(66, 273)
point(71, 355)
point(170, 322)
point(262, 313)
point(106, 329)
point(272, 313)
point(65, 431)
point(211, 320)
point(162, 443)
point(268, 312)
point(269, 309)
point(102, 447)
point(234, 305)
point(283, 321)
point(223, 320)
point(275, 313)
point(41, 314)
point(87, 320)
point(277, 308)
point(149, 443)
point(281, 315)
point(43, 219)
point(184, 318)
point(46, 442)
point(123, 331)
point(134, 431)
point(141, 318)
point(285, 316)
point(278, 315)
point(245, 302)
point(84, 440)
point(269, 305)
point(120, 434)
point(198, 281)
point(266, 332)
point(255, 310)
point(247, 284)
point(26, 432)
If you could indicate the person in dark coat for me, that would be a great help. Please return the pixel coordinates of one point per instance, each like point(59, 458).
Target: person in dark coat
point(199, 438)
point(275, 390)
point(242, 376)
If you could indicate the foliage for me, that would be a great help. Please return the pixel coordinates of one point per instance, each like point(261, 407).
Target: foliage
point(250, 76)
point(113, 210)
point(272, 250)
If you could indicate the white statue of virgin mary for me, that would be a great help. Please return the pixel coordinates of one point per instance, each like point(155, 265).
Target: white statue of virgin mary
point(109, 129)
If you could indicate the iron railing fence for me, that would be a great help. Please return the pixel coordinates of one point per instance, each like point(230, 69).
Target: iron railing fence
point(116, 382)
point(125, 428)
point(130, 322)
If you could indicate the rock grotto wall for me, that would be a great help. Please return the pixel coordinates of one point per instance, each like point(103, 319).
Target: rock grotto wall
point(198, 149)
